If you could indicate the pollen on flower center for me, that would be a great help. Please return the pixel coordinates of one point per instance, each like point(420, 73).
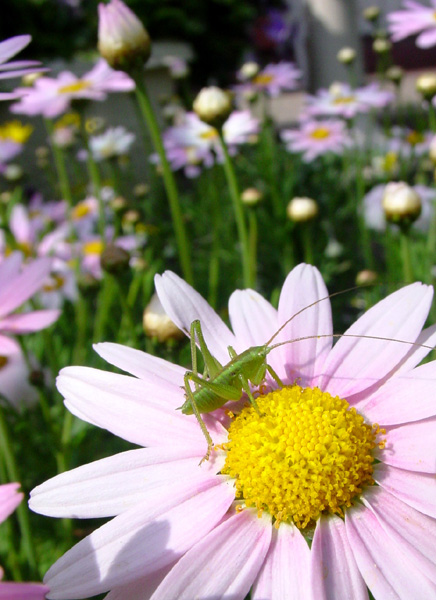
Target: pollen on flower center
point(304, 453)
point(344, 100)
point(78, 86)
point(320, 133)
point(263, 79)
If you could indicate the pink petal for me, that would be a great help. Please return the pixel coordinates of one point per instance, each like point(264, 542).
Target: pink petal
point(27, 323)
point(404, 399)
point(10, 498)
point(253, 318)
point(222, 565)
point(13, 45)
point(285, 572)
point(411, 447)
point(334, 570)
point(304, 292)
point(110, 486)
point(356, 363)
point(427, 39)
point(416, 489)
point(140, 364)
point(140, 541)
point(140, 589)
point(409, 529)
point(24, 285)
point(385, 568)
point(183, 305)
point(10, 267)
point(134, 409)
point(22, 591)
point(8, 346)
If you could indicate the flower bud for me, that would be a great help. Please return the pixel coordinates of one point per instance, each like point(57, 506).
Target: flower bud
point(366, 277)
point(13, 172)
point(395, 74)
point(213, 105)
point(156, 322)
point(114, 259)
point(432, 149)
point(122, 39)
point(381, 45)
point(401, 203)
point(248, 71)
point(371, 13)
point(302, 210)
point(426, 85)
point(251, 196)
point(346, 56)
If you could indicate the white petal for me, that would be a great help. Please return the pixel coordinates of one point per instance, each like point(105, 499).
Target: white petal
point(411, 447)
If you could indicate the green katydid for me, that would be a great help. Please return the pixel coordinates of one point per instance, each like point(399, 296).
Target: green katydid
point(223, 383)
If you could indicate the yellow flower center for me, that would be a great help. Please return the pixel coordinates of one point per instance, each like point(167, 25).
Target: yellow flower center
point(414, 137)
point(210, 134)
point(304, 453)
point(94, 247)
point(263, 79)
point(80, 210)
point(77, 86)
point(390, 161)
point(3, 361)
point(15, 131)
point(344, 100)
point(57, 282)
point(320, 133)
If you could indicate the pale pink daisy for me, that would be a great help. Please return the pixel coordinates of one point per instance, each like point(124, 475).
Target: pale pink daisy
point(343, 457)
point(273, 79)
point(51, 97)
point(10, 498)
point(18, 68)
point(341, 100)
point(18, 284)
point(315, 138)
point(115, 141)
point(416, 18)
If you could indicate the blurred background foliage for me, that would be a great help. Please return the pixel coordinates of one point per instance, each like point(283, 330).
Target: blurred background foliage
point(218, 30)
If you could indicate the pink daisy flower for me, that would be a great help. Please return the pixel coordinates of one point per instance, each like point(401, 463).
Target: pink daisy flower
point(17, 285)
point(18, 68)
point(315, 138)
point(10, 498)
point(273, 79)
point(341, 100)
point(343, 456)
point(51, 97)
point(415, 19)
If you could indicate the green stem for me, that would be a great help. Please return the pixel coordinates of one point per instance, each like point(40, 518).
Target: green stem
point(214, 261)
point(94, 174)
point(239, 213)
point(168, 177)
point(60, 166)
point(252, 235)
point(432, 116)
point(406, 255)
point(22, 510)
point(306, 237)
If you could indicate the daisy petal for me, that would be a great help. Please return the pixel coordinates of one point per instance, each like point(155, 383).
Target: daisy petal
point(285, 571)
point(10, 498)
point(184, 305)
point(24, 286)
point(141, 589)
point(12, 46)
point(133, 409)
point(403, 399)
point(22, 591)
point(388, 574)
point(356, 363)
point(334, 570)
point(253, 318)
point(140, 364)
point(411, 446)
point(409, 529)
point(115, 484)
point(27, 323)
point(304, 290)
point(416, 489)
point(10, 267)
point(141, 541)
point(224, 564)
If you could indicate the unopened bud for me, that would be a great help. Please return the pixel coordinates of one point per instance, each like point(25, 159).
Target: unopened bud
point(156, 322)
point(302, 210)
point(346, 56)
point(395, 74)
point(122, 38)
point(141, 189)
point(426, 85)
point(213, 105)
point(13, 172)
point(248, 71)
point(381, 45)
point(251, 196)
point(366, 277)
point(114, 259)
point(29, 79)
point(401, 203)
point(371, 13)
